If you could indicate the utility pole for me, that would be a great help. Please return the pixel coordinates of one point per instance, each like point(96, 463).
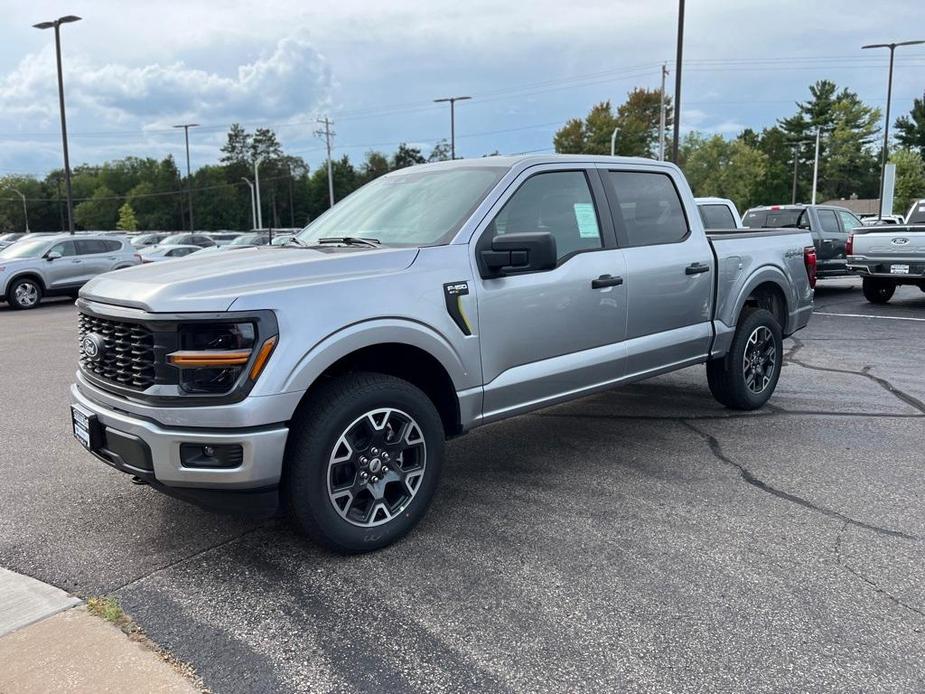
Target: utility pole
point(56, 25)
point(253, 204)
point(452, 102)
point(677, 85)
point(796, 159)
point(816, 166)
point(613, 141)
point(189, 188)
point(662, 117)
point(328, 134)
point(886, 124)
point(257, 163)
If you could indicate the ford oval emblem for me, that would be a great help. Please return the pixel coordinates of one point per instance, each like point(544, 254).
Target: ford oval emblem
point(93, 346)
point(900, 241)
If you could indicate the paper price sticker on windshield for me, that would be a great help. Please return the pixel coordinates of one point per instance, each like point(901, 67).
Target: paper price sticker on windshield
point(587, 220)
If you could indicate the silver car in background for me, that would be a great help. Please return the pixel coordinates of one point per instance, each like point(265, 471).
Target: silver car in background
point(154, 254)
point(59, 264)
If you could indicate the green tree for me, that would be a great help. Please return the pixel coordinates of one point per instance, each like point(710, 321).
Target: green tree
point(911, 128)
point(265, 145)
point(440, 152)
point(588, 136)
point(849, 127)
point(636, 119)
point(127, 220)
point(725, 168)
point(375, 165)
point(100, 211)
point(406, 155)
point(237, 147)
point(910, 178)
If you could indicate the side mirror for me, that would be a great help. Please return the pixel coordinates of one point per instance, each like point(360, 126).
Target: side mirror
point(534, 251)
point(52, 255)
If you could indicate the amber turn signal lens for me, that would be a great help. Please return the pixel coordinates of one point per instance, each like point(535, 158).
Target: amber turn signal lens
point(262, 357)
point(217, 358)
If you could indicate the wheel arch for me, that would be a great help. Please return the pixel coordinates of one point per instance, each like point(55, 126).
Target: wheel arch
point(30, 274)
point(410, 352)
point(768, 288)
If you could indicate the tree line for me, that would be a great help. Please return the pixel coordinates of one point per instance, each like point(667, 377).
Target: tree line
point(752, 168)
point(757, 167)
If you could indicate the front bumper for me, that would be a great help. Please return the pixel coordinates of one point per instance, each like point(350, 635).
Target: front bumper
point(151, 451)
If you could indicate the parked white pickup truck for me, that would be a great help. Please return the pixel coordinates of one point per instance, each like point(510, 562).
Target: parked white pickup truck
point(718, 213)
point(886, 257)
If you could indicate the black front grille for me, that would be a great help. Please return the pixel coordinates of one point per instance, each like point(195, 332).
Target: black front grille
point(126, 356)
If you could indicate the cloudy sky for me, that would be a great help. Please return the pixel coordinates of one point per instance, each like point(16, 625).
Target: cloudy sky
point(133, 69)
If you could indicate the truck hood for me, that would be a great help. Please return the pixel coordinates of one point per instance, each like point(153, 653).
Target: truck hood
point(216, 280)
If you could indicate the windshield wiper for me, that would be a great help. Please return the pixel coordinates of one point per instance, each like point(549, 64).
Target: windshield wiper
point(350, 241)
point(295, 240)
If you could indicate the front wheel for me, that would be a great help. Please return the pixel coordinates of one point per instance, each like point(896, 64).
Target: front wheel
point(362, 462)
point(878, 291)
point(24, 294)
point(746, 377)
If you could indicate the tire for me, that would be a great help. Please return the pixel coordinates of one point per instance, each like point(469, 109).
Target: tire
point(878, 291)
point(331, 448)
point(24, 293)
point(748, 386)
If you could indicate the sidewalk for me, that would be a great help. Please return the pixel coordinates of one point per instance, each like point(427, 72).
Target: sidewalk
point(49, 645)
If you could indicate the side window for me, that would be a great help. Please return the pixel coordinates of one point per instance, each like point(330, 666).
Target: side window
point(179, 252)
point(66, 248)
point(112, 246)
point(848, 220)
point(717, 217)
point(89, 246)
point(648, 207)
point(559, 202)
point(828, 221)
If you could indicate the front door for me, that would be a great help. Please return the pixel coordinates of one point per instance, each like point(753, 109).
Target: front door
point(832, 239)
point(553, 334)
point(64, 271)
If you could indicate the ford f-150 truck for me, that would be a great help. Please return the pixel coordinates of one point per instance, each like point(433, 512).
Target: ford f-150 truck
point(327, 373)
point(829, 226)
point(886, 257)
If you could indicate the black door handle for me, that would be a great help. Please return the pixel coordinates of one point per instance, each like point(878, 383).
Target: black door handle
point(696, 269)
point(606, 281)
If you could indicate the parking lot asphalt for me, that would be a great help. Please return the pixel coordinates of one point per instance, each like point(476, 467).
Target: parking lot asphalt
point(644, 539)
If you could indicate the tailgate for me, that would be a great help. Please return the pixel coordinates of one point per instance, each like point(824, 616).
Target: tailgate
point(898, 244)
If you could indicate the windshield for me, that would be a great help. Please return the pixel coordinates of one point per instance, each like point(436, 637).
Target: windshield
point(10, 237)
point(174, 239)
point(771, 219)
point(29, 248)
point(917, 213)
point(249, 240)
point(407, 209)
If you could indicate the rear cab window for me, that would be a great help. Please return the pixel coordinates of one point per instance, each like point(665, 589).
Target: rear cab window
point(648, 208)
point(716, 216)
point(777, 219)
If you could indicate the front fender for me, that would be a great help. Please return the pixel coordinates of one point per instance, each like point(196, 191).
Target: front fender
point(376, 332)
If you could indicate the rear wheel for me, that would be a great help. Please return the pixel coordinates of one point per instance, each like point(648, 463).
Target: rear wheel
point(746, 377)
point(363, 461)
point(878, 291)
point(24, 293)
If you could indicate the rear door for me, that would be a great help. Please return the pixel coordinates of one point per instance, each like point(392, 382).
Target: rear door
point(831, 246)
point(93, 257)
point(669, 270)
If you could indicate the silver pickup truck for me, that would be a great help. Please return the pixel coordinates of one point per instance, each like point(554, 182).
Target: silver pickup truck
point(886, 257)
point(326, 374)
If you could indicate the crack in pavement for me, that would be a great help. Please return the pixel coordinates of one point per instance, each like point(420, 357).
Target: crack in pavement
point(776, 412)
point(750, 478)
point(857, 574)
point(910, 400)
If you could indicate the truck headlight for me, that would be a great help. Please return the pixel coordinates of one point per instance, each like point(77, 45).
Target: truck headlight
point(212, 357)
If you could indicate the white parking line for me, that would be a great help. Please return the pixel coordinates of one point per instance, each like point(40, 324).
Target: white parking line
point(864, 315)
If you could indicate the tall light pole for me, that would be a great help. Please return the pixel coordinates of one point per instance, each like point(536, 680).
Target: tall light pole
point(25, 212)
point(886, 124)
point(816, 165)
point(796, 161)
point(253, 204)
point(257, 163)
point(452, 102)
point(677, 85)
point(613, 141)
point(56, 25)
point(189, 188)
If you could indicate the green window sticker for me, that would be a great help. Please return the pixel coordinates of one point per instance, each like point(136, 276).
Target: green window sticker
point(587, 220)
